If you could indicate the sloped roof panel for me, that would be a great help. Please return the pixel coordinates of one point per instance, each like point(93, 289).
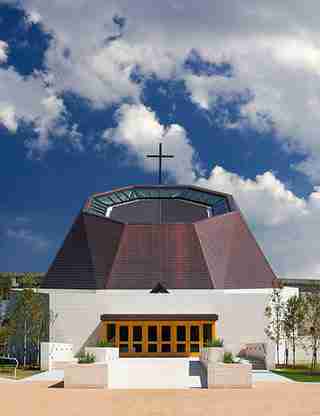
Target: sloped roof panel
point(72, 267)
point(232, 254)
point(166, 253)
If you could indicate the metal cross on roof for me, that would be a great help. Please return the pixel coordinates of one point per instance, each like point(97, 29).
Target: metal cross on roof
point(160, 156)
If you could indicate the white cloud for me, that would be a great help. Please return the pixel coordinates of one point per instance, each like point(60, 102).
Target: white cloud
point(140, 131)
point(285, 225)
point(28, 237)
point(33, 17)
point(273, 48)
point(3, 51)
point(8, 117)
point(30, 100)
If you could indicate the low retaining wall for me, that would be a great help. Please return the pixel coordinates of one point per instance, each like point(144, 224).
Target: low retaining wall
point(130, 373)
point(86, 376)
point(149, 373)
point(220, 375)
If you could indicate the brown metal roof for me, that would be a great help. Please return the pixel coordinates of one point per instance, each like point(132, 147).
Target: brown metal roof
point(232, 254)
point(214, 253)
point(166, 253)
point(86, 256)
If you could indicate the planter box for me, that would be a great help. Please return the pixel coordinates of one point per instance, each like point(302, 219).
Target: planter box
point(61, 365)
point(212, 355)
point(55, 351)
point(103, 354)
point(220, 375)
point(86, 376)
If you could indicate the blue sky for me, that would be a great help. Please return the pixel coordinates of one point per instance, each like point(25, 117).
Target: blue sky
point(87, 91)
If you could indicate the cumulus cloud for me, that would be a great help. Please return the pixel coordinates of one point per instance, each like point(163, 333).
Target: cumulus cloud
point(33, 17)
point(31, 100)
point(140, 132)
point(273, 49)
point(3, 51)
point(285, 225)
point(28, 237)
point(8, 117)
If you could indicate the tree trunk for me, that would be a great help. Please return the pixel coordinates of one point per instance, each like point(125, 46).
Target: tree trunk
point(293, 348)
point(25, 344)
point(315, 354)
point(38, 352)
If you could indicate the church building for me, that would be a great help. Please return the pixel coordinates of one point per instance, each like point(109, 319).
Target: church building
point(159, 271)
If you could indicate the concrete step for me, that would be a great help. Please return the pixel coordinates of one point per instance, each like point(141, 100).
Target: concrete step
point(146, 373)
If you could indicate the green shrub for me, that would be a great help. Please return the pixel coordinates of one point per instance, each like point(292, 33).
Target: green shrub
point(86, 358)
point(228, 358)
point(215, 342)
point(104, 343)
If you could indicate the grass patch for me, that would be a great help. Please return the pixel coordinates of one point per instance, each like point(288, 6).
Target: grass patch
point(21, 373)
point(299, 374)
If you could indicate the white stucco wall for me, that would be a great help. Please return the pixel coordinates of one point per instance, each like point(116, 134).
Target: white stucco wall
point(241, 312)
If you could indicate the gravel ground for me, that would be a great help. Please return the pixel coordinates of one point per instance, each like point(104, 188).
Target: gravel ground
point(264, 399)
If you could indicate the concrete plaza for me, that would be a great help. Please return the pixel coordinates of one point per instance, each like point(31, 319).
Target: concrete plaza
point(264, 399)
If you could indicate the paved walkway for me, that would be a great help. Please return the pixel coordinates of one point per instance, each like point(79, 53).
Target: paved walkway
point(265, 399)
point(54, 375)
point(265, 375)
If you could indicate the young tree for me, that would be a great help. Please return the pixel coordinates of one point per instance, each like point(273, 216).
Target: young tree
point(44, 319)
point(312, 322)
point(292, 318)
point(274, 311)
point(27, 314)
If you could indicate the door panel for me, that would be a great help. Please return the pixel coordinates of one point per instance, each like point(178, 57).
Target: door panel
point(124, 339)
point(137, 339)
point(154, 338)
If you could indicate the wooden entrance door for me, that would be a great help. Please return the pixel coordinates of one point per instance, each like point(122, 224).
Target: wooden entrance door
point(159, 338)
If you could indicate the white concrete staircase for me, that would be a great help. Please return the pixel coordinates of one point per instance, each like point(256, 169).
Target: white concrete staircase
point(154, 373)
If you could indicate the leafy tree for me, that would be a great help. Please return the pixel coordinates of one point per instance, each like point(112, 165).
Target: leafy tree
point(274, 311)
point(5, 285)
point(28, 314)
point(292, 318)
point(312, 322)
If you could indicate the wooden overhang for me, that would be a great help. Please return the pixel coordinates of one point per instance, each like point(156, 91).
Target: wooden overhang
point(159, 317)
